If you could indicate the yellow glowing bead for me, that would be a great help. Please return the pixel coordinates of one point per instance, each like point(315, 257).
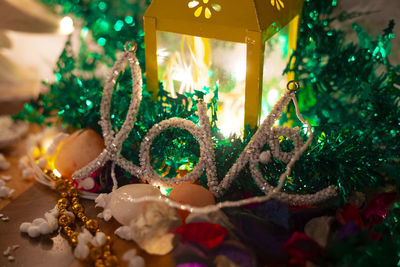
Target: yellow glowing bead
point(95, 253)
point(74, 200)
point(80, 215)
point(111, 261)
point(107, 248)
point(73, 192)
point(74, 238)
point(64, 220)
point(60, 185)
point(77, 208)
point(62, 203)
point(92, 225)
point(64, 194)
point(61, 211)
point(99, 263)
point(69, 233)
point(106, 254)
point(84, 219)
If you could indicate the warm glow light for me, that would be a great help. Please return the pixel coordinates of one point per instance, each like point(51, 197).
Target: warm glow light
point(163, 190)
point(162, 55)
point(46, 143)
point(239, 71)
point(57, 173)
point(273, 96)
point(66, 25)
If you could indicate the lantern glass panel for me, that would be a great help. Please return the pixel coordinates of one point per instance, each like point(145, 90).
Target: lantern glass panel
point(276, 56)
point(187, 63)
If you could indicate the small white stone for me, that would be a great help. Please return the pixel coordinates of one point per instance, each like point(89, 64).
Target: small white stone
point(5, 219)
point(23, 163)
point(130, 254)
point(24, 227)
point(45, 228)
point(10, 192)
point(84, 237)
point(81, 251)
point(11, 258)
point(137, 262)
point(15, 247)
point(27, 173)
point(6, 177)
point(7, 251)
point(52, 221)
point(38, 221)
point(99, 239)
point(4, 164)
point(1, 215)
point(33, 231)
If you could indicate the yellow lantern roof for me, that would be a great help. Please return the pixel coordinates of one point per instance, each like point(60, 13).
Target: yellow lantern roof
point(228, 20)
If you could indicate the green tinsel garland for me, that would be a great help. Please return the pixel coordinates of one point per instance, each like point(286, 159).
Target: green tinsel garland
point(354, 108)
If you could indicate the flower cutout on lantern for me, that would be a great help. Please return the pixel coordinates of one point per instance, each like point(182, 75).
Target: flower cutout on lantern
point(278, 4)
point(206, 6)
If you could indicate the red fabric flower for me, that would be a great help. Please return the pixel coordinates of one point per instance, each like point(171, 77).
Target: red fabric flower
point(350, 213)
point(207, 234)
point(301, 248)
point(376, 209)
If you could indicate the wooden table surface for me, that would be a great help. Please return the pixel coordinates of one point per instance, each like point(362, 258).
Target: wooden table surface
point(31, 200)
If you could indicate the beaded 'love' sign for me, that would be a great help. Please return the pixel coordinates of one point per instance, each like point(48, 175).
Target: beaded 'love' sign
point(251, 155)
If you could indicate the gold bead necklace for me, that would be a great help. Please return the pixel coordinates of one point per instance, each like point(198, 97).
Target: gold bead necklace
point(69, 202)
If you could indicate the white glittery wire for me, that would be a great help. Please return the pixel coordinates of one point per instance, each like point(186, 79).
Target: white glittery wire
point(266, 133)
point(113, 142)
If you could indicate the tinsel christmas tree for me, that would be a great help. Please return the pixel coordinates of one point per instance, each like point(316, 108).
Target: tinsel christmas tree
point(349, 92)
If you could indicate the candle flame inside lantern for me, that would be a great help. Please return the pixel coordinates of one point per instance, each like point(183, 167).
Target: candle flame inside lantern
point(57, 173)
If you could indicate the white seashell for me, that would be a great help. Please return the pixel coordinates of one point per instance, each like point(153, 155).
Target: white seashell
point(123, 232)
point(123, 208)
point(102, 200)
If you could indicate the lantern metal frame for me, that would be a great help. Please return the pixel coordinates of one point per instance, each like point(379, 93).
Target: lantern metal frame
point(251, 22)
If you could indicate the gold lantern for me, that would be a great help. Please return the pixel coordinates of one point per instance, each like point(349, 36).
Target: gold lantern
point(191, 44)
